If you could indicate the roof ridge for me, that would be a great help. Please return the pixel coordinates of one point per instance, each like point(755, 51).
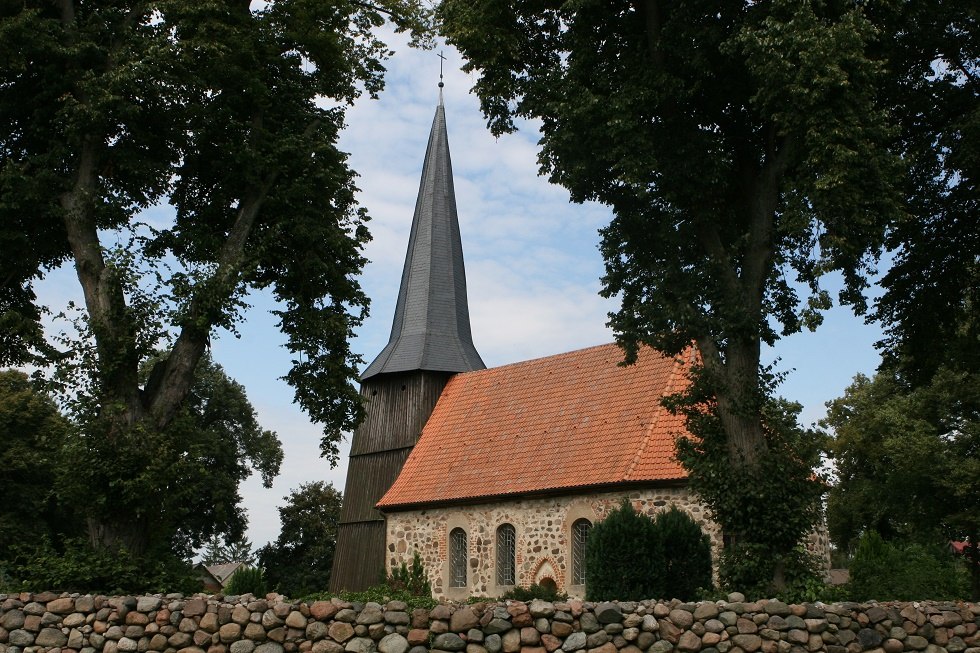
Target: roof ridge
point(658, 414)
point(530, 361)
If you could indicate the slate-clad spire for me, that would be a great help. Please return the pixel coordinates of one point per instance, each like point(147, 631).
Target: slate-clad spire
point(431, 329)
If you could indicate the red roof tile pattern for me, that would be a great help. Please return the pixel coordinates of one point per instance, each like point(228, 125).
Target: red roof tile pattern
point(573, 420)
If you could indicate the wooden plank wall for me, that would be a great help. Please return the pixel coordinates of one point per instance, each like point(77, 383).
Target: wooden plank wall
point(397, 407)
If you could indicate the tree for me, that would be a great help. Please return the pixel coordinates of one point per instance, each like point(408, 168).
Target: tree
point(625, 557)
point(188, 475)
point(31, 431)
point(740, 146)
point(907, 461)
point(230, 114)
point(931, 304)
point(299, 561)
point(182, 482)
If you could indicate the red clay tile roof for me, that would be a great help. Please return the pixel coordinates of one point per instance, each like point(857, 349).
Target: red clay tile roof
point(561, 422)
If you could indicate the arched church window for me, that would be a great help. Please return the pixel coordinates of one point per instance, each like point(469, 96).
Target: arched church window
point(580, 537)
point(506, 555)
point(457, 558)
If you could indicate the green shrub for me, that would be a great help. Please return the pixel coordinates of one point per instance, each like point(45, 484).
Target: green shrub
point(884, 571)
point(411, 579)
point(624, 556)
point(536, 591)
point(73, 565)
point(687, 555)
point(247, 580)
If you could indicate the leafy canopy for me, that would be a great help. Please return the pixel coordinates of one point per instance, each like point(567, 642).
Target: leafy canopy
point(230, 114)
point(299, 561)
point(744, 152)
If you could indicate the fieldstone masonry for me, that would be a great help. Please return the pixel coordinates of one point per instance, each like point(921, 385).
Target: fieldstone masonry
point(543, 528)
point(53, 623)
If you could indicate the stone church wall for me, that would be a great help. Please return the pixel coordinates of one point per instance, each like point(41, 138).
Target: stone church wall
point(543, 528)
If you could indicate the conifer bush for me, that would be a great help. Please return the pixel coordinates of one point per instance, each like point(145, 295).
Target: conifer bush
point(247, 580)
point(687, 555)
point(624, 557)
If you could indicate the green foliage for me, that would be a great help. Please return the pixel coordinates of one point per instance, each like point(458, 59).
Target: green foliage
point(381, 593)
point(687, 554)
point(745, 152)
point(883, 571)
point(299, 561)
point(247, 580)
point(535, 591)
point(625, 557)
point(907, 460)
point(74, 566)
point(766, 509)
point(230, 115)
point(412, 578)
point(32, 432)
point(637, 557)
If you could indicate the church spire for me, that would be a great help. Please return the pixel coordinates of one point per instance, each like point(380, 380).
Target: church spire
point(431, 329)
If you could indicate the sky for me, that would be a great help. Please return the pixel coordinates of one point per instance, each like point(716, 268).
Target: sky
point(532, 265)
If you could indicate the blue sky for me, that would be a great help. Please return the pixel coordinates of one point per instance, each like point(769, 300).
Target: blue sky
point(532, 268)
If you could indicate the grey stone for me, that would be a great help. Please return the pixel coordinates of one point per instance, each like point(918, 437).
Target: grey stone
point(916, 642)
point(491, 643)
point(539, 608)
point(793, 621)
point(242, 646)
point(75, 639)
point(360, 645)
point(649, 624)
point(148, 603)
point(661, 646)
point(728, 618)
point(393, 643)
point(596, 639)
point(127, 645)
point(12, 620)
point(956, 645)
point(608, 613)
point(573, 642)
point(327, 646)
point(588, 622)
point(369, 616)
point(869, 637)
point(777, 608)
point(497, 625)
point(51, 637)
point(397, 618)
point(736, 597)
point(475, 648)
point(270, 620)
point(474, 635)
point(748, 643)
point(20, 637)
point(644, 640)
point(316, 630)
point(713, 626)
point(448, 642)
point(613, 629)
point(269, 647)
point(681, 618)
point(347, 615)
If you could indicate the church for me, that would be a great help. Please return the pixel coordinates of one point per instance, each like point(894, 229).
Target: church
point(495, 476)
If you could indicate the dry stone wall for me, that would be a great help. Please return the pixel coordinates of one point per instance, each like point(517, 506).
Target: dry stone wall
point(52, 623)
